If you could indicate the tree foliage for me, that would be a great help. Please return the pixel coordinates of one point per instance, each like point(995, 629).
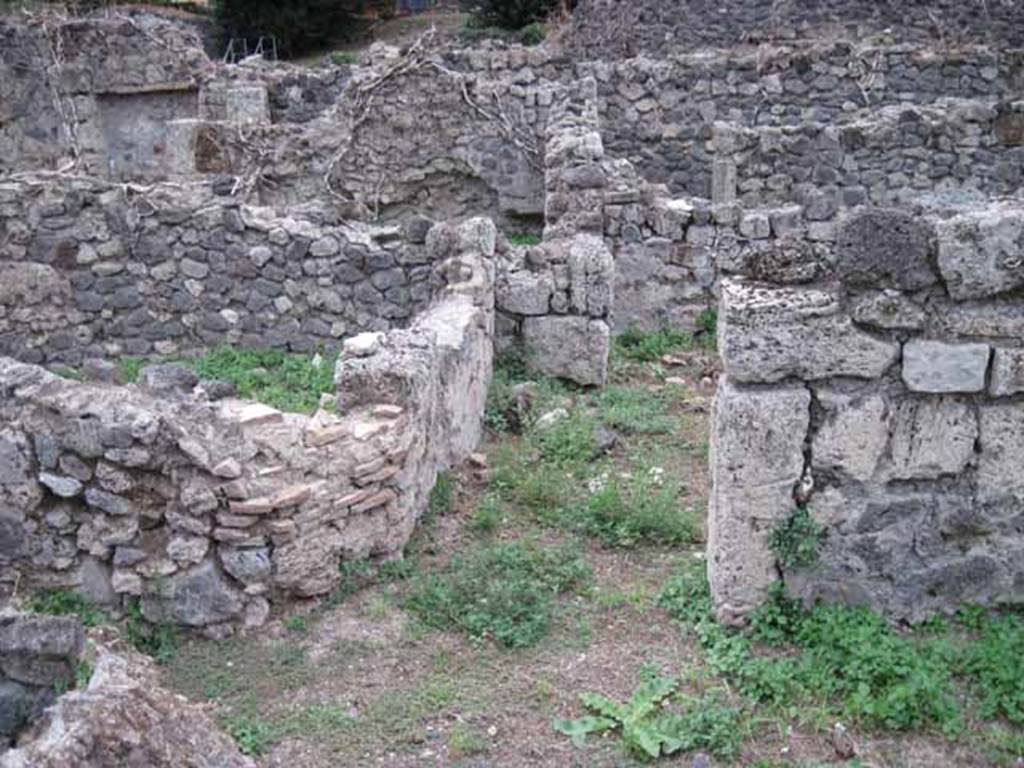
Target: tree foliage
point(513, 14)
point(299, 26)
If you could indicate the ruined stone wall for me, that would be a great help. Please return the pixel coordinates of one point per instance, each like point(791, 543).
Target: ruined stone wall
point(92, 271)
point(103, 91)
point(208, 510)
point(873, 373)
point(954, 150)
point(602, 28)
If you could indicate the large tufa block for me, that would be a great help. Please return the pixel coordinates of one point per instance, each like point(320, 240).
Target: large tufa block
point(981, 253)
point(769, 334)
point(568, 347)
point(757, 457)
point(881, 248)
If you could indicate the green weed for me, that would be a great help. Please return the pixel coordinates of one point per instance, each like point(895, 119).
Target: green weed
point(159, 641)
point(344, 58)
point(525, 239)
point(643, 347)
point(993, 665)
point(504, 592)
point(487, 517)
point(442, 496)
point(634, 411)
point(61, 602)
point(464, 741)
point(795, 541)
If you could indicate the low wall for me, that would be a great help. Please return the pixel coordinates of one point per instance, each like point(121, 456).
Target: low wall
point(94, 271)
point(873, 374)
point(208, 510)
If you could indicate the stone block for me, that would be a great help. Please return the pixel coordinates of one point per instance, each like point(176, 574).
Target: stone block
point(853, 435)
point(881, 248)
point(568, 347)
point(757, 457)
point(769, 334)
point(938, 367)
point(888, 309)
point(931, 437)
point(1000, 464)
point(525, 293)
point(1007, 372)
point(981, 253)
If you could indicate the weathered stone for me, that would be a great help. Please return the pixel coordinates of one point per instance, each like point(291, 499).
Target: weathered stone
point(196, 598)
point(525, 293)
point(981, 253)
point(246, 565)
point(890, 310)
point(757, 459)
point(1002, 452)
point(308, 566)
point(1007, 372)
point(574, 348)
point(65, 487)
point(20, 705)
point(938, 367)
point(931, 437)
point(882, 248)
point(853, 436)
point(768, 334)
point(107, 502)
point(167, 378)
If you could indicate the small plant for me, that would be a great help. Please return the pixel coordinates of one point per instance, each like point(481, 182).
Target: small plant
point(707, 328)
point(487, 516)
point(526, 239)
point(296, 624)
point(634, 344)
point(504, 592)
point(344, 58)
point(464, 741)
point(252, 735)
point(160, 641)
point(532, 34)
point(633, 411)
point(442, 496)
point(993, 665)
point(568, 441)
point(649, 729)
point(129, 368)
point(62, 602)
point(795, 541)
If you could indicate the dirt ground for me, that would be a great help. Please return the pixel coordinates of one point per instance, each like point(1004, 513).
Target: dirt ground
point(363, 683)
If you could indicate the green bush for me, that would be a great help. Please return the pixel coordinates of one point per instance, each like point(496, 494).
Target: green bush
point(512, 14)
point(637, 345)
point(795, 541)
point(503, 592)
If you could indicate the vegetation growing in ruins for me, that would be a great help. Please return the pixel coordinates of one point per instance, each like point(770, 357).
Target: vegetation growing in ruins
point(634, 344)
point(62, 602)
point(795, 541)
point(503, 592)
point(287, 381)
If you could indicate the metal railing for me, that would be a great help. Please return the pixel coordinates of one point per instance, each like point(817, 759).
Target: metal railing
point(238, 49)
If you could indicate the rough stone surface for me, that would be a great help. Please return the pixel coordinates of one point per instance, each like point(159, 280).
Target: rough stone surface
point(757, 459)
point(932, 437)
point(982, 254)
point(887, 249)
point(769, 334)
point(937, 367)
point(1007, 372)
point(854, 435)
point(568, 347)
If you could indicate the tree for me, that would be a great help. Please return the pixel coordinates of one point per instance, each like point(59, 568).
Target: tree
point(300, 26)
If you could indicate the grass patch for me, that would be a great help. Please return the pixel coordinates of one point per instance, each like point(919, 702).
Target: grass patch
point(639, 346)
point(634, 411)
point(504, 592)
point(524, 240)
point(288, 382)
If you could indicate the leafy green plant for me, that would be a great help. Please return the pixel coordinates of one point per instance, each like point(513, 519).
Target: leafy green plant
point(62, 602)
point(526, 239)
point(344, 58)
point(505, 591)
point(487, 516)
point(442, 495)
point(252, 735)
point(649, 729)
point(129, 368)
point(707, 326)
point(993, 665)
point(633, 411)
point(795, 541)
point(159, 641)
point(637, 345)
point(568, 441)
point(532, 34)
point(296, 624)
point(464, 741)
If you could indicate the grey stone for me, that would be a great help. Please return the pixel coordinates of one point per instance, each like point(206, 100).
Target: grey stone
point(1002, 452)
point(196, 598)
point(1007, 372)
point(60, 485)
point(768, 334)
point(881, 248)
point(108, 502)
point(981, 253)
point(167, 378)
point(525, 293)
point(20, 705)
point(94, 582)
point(194, 269)
point(853, 436)
point(938, 367)
point(890, 310)
point(757, 458)
point(247, 565)
point(574, 348)
point(94, 369)
point(931, 437)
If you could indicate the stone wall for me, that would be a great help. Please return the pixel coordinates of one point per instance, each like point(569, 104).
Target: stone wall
point(39, 656)
point(91, 270)
point(206, 510)
point(874, 374)
point(953, 150)
point(602, 28)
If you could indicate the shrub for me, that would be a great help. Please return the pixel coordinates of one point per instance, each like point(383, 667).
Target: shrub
point(512, 14)
point(503, 592)
point(795, 541)
point(643, 347)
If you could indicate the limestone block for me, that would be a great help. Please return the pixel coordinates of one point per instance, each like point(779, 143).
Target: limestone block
point(196, 598)
point(525, 293)
point(591, 275)
point(757, 458)
point(1007, 372)
point(931, 437)
point(938, 367)
point(768, 334)
point(248, 104)
point(853, 436)
point(981, 253)
point(888, 309)
point(569, 347)
point(1001, 463)
point(882, 248)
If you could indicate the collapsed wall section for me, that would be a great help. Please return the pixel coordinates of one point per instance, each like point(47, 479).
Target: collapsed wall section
point(206, 511)
point(874, 376)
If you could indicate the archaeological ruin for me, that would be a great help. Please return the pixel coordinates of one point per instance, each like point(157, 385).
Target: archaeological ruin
point(839, 183)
